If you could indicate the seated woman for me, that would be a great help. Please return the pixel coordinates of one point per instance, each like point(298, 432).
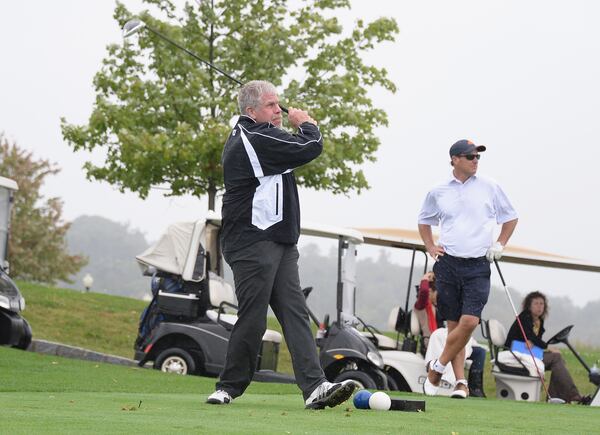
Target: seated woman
point(425, 310)
point(535, 310)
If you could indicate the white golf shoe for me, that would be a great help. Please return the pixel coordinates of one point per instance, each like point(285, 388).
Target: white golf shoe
point(328, 394)
point(219, 397)
point(461, 389)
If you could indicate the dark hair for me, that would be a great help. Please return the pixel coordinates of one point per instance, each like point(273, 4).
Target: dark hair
point(535, 295)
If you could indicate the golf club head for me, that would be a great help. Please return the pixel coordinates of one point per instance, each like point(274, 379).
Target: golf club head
point(132, 26)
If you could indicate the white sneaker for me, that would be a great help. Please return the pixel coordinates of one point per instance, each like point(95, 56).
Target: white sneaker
point(429, 389)
point(219, 397)
point(328, 394)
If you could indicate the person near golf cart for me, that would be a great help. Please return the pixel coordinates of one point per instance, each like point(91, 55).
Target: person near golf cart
point(532, 316)
point(466, 208)
point(261, 226)
point(425, 309)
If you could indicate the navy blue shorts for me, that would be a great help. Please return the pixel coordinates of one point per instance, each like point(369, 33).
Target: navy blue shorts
point(463, 286)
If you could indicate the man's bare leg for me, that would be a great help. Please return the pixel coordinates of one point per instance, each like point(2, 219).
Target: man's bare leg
point(459, 334)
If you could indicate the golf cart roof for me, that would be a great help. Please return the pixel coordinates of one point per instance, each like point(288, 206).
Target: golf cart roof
point(331, 231)
point(310, 229)
point(410, 239)
point(8, 183)
point(177, 249)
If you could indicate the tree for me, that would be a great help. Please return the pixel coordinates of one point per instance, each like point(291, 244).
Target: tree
point(161, 117)
point(37, 245)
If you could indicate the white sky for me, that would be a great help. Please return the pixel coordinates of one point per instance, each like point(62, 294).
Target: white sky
point(521, 77)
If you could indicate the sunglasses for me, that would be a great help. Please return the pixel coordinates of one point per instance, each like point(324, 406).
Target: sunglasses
point(471, 156)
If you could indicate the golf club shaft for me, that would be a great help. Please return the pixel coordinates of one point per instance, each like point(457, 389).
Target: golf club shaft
point(313, 316)
point(195, 56)
point(522, 329)
point(577, 356)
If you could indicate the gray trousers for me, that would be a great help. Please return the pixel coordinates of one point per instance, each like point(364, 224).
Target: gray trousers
point(266, 273)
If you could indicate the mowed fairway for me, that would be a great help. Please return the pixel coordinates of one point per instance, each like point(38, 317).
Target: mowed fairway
point(46, 394)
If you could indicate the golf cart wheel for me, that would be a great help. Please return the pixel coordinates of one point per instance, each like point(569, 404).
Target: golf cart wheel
point(175, 360)
point(25, 339)
point(361, 379)
point(392, 385)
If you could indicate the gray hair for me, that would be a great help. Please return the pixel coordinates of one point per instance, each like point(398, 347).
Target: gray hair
point(251, 93)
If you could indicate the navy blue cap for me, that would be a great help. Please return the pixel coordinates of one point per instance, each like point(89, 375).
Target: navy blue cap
point(465, 146)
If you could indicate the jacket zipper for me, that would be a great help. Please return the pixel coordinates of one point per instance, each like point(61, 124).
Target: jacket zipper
point(276, 199)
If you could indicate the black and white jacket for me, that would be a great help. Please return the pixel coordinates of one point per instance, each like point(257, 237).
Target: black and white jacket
point(261, 197)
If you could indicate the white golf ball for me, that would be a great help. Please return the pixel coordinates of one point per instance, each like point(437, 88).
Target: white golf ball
point(380, 401)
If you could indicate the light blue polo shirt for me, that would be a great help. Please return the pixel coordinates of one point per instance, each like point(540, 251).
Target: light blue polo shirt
point(467, 214)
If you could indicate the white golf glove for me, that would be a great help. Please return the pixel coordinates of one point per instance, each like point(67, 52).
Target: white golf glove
point(494, 252)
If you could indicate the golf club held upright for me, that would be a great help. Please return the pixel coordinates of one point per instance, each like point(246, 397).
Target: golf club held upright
point(135, 25)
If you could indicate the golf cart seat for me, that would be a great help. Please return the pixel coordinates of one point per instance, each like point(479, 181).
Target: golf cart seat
point(220, 291)
point(397, 318)
point(221, 294)
point(515, 375)
point(383, 341)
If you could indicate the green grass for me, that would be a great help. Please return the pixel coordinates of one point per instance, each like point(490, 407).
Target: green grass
point(48, 394)
point(109, 324)
point(100, 322)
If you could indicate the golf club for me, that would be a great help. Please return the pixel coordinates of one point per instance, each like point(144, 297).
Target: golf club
point(134, 25)
point(540, 375)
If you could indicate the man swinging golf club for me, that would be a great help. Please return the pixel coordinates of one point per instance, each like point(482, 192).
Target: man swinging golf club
point(261, 225)
point(466, 208)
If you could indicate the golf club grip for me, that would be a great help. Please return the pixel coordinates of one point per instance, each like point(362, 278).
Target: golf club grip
point(499, 272)
point(283, 108)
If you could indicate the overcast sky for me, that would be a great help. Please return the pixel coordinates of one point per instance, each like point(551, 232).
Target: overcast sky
point(521, 77)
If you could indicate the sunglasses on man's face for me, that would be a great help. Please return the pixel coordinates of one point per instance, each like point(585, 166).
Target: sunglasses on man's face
point(471, 156)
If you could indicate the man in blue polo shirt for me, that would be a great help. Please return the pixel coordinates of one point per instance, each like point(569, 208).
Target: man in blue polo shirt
point(467, 207)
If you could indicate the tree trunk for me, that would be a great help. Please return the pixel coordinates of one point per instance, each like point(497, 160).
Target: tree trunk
point(212, 194)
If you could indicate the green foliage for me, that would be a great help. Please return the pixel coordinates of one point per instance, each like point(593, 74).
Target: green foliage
point(37, 245)
point(161, 118)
